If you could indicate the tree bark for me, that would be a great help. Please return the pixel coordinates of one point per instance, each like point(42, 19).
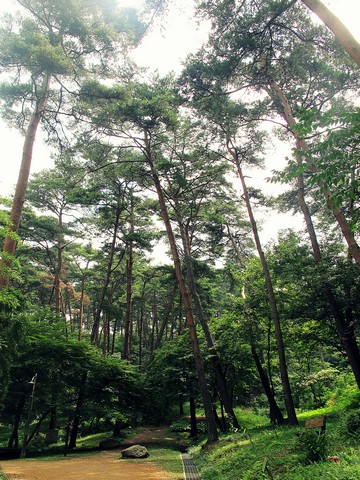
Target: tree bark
point(193, 421)
point(344, 328)
point(218, 369)
point(14, 437)
point(212, 434)
point(77, 413)
point(276, 415)
point(165, 320)
point(342, 34)
point(95, 329)
point(58, 268)
point(302, 145)
point(9, 246)
point(289, 403)
point(129, 282)
point(81, 307)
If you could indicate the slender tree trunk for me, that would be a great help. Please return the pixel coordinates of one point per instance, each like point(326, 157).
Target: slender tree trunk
point(77, 413)
point(193, 422)
point(58, 268)
point(212, 434)
point(105, 335)
point(129, 282)
point(302, 145)
point(344, 328)
point(154, 327)
point(21, 186)
point(81, 307)
point(37, 427)
point(165, 320)
point(53, 417)
point(276, 415)
point(141, 324)
point(218, 369)
point(95, 329)
point(342, 34)
point(14, 437)
point(289, 403)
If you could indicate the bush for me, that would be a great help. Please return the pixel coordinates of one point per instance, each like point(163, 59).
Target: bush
point(313, 445)
point(183, 425)
point(180, 426)
point(353, 422)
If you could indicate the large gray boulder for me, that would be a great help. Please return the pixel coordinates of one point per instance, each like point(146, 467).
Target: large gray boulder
point(135, 451)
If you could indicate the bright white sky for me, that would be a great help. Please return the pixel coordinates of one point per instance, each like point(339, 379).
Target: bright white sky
point(164, 49)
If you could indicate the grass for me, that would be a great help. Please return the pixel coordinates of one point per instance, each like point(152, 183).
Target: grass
point(166, 459)
point(260, 451)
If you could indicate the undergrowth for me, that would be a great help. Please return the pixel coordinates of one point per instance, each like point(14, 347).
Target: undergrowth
point(261, 451)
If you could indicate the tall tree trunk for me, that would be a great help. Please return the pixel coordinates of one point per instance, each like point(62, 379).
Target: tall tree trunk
point(95, 329)
point(9, 246)
point(275, 413)
point(141, 323)
point(129, 282)
point(342, 34)
point(81, 307)
point(14, 437)
point(344, 328)
point(154, 327)
point(218, 369)
point(77, 413)
point(212, 434)
point(289, 403)
point(165, 320)
point(58, 268)
point(193, 421)
point(302, 145)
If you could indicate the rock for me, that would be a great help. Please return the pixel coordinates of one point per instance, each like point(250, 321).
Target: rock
point(135, 451)
point(109, 444)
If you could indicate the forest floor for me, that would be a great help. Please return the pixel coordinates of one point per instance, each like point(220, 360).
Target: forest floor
point(104, 465)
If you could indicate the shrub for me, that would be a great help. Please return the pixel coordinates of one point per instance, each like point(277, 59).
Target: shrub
point(180, 426)
point(353, 422)
point(313, 445)
point(183, 425)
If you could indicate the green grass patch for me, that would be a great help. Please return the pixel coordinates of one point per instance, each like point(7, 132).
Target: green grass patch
point(262, 451)
point(166, 459)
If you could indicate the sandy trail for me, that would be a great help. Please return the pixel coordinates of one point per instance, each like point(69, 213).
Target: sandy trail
point(101, 466)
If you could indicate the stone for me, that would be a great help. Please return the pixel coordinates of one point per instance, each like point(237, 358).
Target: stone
point(109, 444)
point(135, 451)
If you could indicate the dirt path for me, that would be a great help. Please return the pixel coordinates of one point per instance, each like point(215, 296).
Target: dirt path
point(151, 436)
point(101, 466)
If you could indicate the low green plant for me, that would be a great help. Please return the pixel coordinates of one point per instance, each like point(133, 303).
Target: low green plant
point(165, 458)
point(183, 425)
point(325, 470)
point(313, 445)
point(353, 422)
